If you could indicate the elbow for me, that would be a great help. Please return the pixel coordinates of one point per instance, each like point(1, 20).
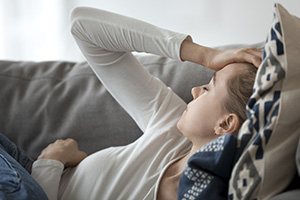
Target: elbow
point(76, 17)
point(76, 14)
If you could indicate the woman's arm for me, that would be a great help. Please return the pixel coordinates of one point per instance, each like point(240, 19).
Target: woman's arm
point(216, 59)
point(47, 170)
point(106, 40)
point(113, 33)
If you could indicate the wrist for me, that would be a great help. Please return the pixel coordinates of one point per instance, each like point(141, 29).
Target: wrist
point(188, 51)
point(195, 53)
point(56, 155)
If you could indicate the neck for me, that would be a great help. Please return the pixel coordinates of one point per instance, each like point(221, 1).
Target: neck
point(191, 153)
point(198, 144)
point(183, 161)
point(193, 150)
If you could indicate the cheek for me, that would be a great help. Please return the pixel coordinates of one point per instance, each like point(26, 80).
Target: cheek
point(195, 121)
point(200, 118)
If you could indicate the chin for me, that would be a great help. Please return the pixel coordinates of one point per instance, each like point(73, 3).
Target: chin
point(180, 127)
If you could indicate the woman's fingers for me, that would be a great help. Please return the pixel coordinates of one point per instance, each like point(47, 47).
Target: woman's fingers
point(65, 151)
point(77, 157)
point(250, 55)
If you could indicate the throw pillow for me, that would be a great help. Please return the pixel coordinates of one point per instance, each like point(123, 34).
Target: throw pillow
point(268, 139)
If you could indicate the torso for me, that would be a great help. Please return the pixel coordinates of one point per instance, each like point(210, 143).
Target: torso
point(137, 177)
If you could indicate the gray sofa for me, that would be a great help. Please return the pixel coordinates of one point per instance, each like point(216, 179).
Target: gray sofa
point(43, 101)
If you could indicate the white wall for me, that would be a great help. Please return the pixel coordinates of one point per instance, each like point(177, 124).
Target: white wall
point(38, 29)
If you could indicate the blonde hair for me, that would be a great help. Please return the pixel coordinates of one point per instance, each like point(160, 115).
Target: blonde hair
point(240, 88)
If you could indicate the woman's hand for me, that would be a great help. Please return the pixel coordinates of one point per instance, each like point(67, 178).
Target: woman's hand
point(65, 151)
point(216, 59)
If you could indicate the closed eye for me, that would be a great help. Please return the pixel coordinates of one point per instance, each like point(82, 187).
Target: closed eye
point(205, 88)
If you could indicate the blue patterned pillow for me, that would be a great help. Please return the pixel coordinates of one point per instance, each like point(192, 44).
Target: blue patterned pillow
point(268, 140)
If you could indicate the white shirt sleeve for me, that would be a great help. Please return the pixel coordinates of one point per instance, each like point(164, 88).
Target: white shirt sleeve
point(106, 39)
point(48, 174)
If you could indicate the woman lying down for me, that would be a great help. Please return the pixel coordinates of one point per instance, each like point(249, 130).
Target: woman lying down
point(186, 151)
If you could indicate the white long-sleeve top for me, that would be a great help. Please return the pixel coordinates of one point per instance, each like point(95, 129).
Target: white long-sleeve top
point(133, 171)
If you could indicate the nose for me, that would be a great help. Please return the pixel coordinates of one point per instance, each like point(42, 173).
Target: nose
point(196, 91)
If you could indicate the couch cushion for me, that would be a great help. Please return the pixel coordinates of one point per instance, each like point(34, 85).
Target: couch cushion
point(269, 138)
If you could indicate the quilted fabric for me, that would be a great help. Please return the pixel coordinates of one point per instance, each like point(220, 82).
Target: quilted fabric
point(268, 139)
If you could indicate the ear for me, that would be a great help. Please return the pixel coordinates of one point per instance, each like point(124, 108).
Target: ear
point(230, 124)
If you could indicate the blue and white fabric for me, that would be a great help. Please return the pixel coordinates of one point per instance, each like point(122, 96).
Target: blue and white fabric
point(208, 171)
point(268, 140)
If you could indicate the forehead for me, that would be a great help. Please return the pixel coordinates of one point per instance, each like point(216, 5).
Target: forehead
point(228, 71)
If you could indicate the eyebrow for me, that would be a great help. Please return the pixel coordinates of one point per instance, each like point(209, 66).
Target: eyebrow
point(215, 78)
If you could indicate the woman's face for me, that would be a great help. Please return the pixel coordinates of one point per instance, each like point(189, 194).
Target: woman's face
point(206, 111)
